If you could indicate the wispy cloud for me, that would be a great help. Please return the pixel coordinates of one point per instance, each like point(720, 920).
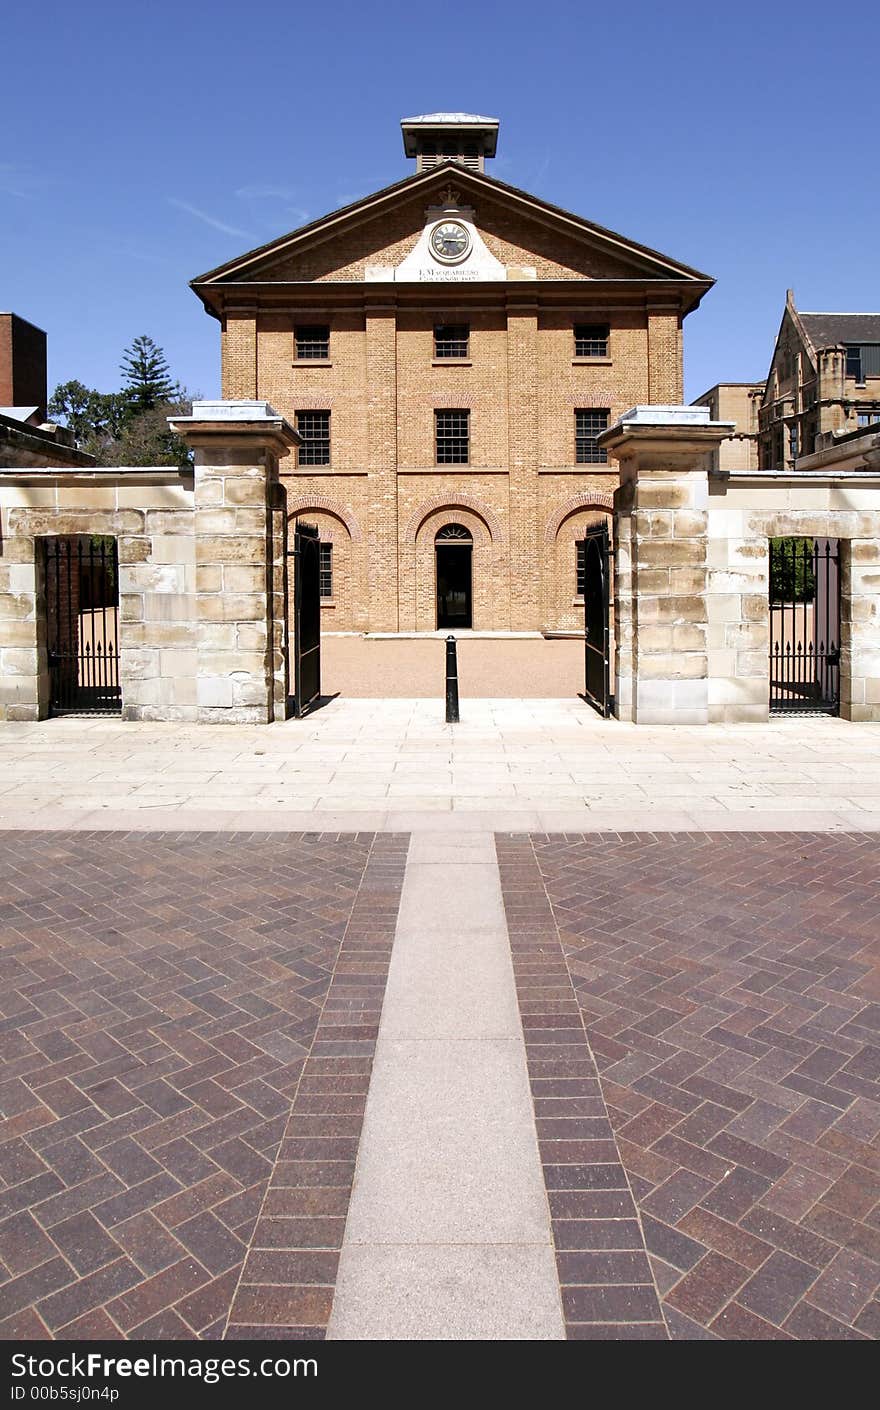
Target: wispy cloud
point(277, 194)
point(266, 193)
point(19, 181)
point(209, 219)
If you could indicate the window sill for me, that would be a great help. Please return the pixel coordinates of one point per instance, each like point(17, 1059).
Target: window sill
point(592, 362)
point(451, 362)
point(311, 362)
point(327, 602)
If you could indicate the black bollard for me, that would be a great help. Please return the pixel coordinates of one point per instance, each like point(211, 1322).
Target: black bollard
point(451, 682)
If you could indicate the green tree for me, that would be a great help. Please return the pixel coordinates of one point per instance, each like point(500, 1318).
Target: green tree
point(92, 416)
point(146, 375)
point(129, 427)
point(145, 437)
point(792, 578)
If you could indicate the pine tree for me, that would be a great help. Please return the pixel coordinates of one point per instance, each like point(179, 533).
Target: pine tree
point(146, 376)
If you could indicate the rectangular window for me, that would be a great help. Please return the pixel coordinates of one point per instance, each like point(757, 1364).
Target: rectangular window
point(579, 557)
point(452, 431)
point(451, 340)
point(868, 418)
point(854, 363)
point(792, 442)
point(325, 578)
point(312, 342)
point(588, 424)
point(314, 427)
point(591, 339)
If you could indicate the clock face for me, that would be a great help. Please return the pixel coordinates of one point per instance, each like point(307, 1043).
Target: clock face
point(450, 241)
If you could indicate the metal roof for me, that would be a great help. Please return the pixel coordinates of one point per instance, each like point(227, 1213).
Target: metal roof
point(457, 119)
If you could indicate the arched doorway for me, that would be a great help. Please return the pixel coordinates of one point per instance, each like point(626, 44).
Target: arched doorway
point(454, 549)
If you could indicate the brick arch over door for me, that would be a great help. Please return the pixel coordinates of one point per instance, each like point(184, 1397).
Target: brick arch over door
point(588, 499)
point(451, 502)
point(419, 567)
point(298, 507)
point(348, 608)
point(561, 608)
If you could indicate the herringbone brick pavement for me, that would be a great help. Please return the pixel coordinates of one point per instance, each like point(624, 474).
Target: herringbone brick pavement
point(730, 990)
point(160, 998)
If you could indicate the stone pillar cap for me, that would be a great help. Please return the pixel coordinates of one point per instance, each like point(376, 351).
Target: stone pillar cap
point(669, 426)
point(253, 415)
point(231, 411)
point(669, 416)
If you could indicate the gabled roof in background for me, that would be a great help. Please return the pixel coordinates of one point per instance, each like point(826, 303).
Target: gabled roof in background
point(826, 330)
point(646, 263)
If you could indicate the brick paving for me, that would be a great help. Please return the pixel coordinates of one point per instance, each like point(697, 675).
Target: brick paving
point(729, 986)
point(186, 1037)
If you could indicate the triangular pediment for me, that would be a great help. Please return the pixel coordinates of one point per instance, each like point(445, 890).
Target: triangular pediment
point(377, 233)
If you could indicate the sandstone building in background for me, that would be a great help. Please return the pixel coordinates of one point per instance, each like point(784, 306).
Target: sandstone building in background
point(824, 382)
point(450, 349)
point(739, 403)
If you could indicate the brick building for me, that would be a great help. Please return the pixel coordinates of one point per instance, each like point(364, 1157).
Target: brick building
point(824, 381)
point(26, 437)
point(449, 349)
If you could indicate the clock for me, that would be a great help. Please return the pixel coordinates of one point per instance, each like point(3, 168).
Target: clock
point(450, 241)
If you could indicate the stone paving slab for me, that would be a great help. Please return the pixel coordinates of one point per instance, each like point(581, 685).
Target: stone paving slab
point(182, 1013)
point(729, 987)
point(448, 1198)
point(394, 765)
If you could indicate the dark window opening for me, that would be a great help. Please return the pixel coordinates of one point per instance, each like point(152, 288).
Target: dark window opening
point(453, 533)
point(854, 363)
point(591, 339)
point(312, 341)
point(325, 570)
point(314, 427)
point(589, 424)
point(452, 429)
point(451, 340)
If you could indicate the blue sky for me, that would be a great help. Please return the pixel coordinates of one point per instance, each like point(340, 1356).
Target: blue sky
point(143, 145)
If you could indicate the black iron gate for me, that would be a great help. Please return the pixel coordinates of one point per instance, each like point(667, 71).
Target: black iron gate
point(82, 619)
point(306, 618)
point(804, 626)
point(597, 651)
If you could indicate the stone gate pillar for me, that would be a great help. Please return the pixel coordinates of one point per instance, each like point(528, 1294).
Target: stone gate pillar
point(236, 522)
point(661, 506)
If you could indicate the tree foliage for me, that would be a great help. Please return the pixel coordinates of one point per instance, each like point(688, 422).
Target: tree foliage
point(147, 439)
point(146, 376)
point(90, 415)
point(792, 578)
point(130, 426)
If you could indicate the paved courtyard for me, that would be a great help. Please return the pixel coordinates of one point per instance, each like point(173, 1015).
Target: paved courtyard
point(493, 668)
point(623, 1086)
point(366, 1027)
point(394, 764)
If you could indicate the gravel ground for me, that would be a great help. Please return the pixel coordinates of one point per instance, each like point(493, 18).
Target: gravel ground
point(516, 668)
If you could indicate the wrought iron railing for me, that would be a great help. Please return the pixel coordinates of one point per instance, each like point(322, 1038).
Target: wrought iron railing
point(82, 616)
point(804, 625)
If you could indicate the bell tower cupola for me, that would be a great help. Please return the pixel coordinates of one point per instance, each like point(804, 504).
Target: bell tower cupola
point(464, 138)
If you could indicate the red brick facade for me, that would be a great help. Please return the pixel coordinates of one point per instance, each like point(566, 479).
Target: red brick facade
point(523, 495)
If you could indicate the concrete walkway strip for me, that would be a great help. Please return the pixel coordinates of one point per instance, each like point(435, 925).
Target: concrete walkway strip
point(448, 1233)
